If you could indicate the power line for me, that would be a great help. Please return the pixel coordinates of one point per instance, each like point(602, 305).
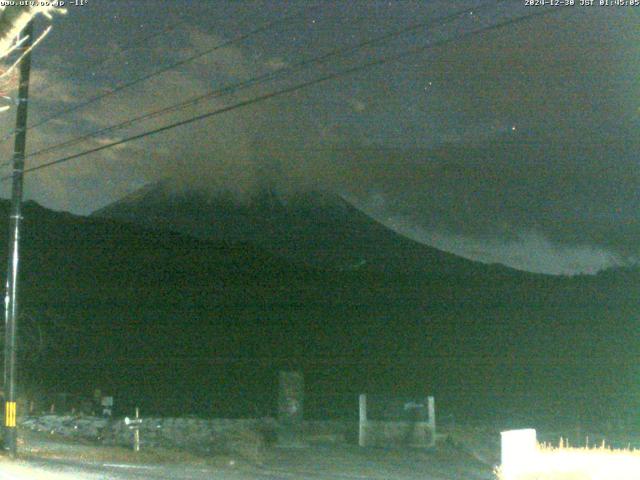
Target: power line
point(231, 88)
point(101, 62)
point(374, 63)
point(125, 85)
point(290, 89)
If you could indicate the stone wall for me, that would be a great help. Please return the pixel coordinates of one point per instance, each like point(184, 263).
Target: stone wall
point(246, 437)
point(90, 428)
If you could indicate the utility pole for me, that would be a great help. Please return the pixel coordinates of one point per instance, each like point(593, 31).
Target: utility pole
point(11, 298)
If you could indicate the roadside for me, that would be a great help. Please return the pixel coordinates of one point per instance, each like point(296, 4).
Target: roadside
point(45, 456)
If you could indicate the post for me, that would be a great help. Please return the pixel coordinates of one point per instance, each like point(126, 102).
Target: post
point(362, 431)
point(290, 409)
point(11, 298)
point(136, 432)
point(431, 407)
point(134, 424)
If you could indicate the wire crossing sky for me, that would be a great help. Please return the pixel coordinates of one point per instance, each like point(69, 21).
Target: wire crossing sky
point(515, 146)
point(122, 86)
point(232, 88)
point(267, 96)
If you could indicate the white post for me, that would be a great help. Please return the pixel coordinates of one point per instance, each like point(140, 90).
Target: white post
point(431, 407)
point(362, 434)
point(519, 449)
point(136, 432)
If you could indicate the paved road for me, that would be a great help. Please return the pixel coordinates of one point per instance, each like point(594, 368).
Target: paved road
point(68, 469)
point(50, 460)
point(287, 468)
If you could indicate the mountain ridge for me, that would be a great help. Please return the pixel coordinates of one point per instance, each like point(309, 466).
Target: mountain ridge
point(314, 228)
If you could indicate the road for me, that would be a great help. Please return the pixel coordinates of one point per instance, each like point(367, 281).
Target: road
point(288, 466)
point(45, 458)
point(50, 469)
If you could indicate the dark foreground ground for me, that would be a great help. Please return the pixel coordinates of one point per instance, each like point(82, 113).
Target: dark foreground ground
point(43, 457)
point(463, 453)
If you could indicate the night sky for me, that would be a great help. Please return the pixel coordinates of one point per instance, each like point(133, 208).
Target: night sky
point(516, 146)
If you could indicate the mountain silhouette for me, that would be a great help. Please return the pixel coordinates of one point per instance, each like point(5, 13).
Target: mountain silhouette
point(178, 324)
point(312, 228)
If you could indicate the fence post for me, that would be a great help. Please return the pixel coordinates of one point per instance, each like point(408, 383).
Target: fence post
point(136, 433)
point(290, 409)
point(134, 424)
point(362, 431)
point(431, 407)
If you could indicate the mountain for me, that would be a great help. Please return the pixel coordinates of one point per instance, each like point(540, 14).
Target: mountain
point(312, 228)
point(177, 324)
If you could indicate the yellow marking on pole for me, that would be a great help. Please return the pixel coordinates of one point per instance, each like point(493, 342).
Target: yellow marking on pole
point(10, 414)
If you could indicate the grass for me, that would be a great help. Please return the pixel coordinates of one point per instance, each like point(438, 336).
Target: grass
point(584, 463)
